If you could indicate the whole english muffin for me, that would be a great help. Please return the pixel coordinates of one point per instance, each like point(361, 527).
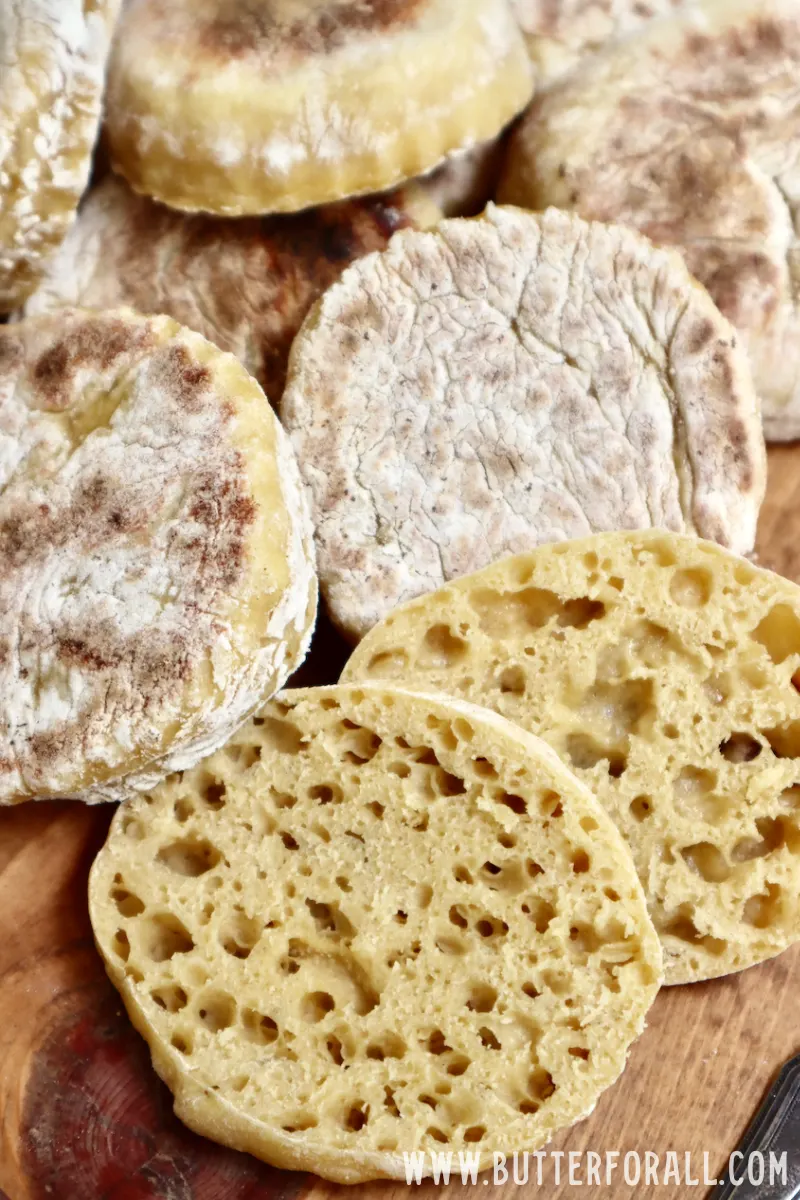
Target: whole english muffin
point(508, 381)
point(376, 922)
point(52, 66)
point(563, 33)
point(252, 106)
point(665, 672)
point(156, 567)
point(245, 285)
point(687, 133)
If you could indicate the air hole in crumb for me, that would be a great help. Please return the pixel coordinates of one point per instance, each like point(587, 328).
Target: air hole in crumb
point(214, 795)
point(459, 1064)
point(533, 868)
point(475, 1133)
point(283, 736)
point(528, 1108)
point(707, 861)
point(611, 894)
point(217, 1011)
point(424, 895)
point(170, 997)
point(580, 862)
point(389, 1102)
point(183, 809)
point(540, 1085)
point(489, 927)
point(430, 1101)
point(691, 587)
point(400, 917)
point(784, 740)
point(740, 748)
point(437, 1043)
point(542, 913)
point(259, 1028)
point(457, 917)
point(449, 785)
point(764, 910)
point(343, 882)
point(779, 633)
point(127, 904)
point(461, 874)
point(388, 664)
point(484, 768)
point(317, 1005)
point(585, 753)
point(388, 1045)
point(488, 1038)
point(357, 1117)
point(401, 769)
point(435, 1133)
point(191, 857)
point(530, 991)
point(515, 803)
point(121, 945)
point(511, 681)
point(580, 613)
point(507, 841)
point(482, 998)
point(377, 810)
point(289, 842)
point(165, 936)
point(450, 945)
point(579, 1052)
point(334, 1047)
point(641, 807)
point(325, 793)
point(182, 1043)
point(239, 935)
point(441, 647)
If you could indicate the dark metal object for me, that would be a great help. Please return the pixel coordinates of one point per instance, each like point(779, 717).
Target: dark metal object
point(775, 1131)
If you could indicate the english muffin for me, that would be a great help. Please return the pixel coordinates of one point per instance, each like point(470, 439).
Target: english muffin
point(245, 285)
point(244, 107)
point(53, 55)
point(156, 566)
point(665, 672)
point(688, 132)
point(375, 923)
point(508, 381)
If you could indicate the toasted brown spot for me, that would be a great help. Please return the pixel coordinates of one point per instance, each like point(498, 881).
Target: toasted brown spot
point(701, 335)
point(253, 30)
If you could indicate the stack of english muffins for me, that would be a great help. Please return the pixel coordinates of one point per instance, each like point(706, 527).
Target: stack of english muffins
point(475, 316)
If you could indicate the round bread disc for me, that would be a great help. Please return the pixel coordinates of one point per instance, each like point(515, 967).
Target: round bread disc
point(562, 34)
point(53, 55)
point(376, 922)
point(251, 106)
point(665, 672)
point(245, 285)
point(156, 571)
point(686, 132)
point(509, 381)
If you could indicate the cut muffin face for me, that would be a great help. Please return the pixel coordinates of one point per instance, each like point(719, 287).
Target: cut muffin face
point(245, 285)
point(53, 55)
point(665, 672)
point(563, 34)
point(238, 108)
point(156, 567)
point(376, 922)
point(687, 133)
point(509, 381)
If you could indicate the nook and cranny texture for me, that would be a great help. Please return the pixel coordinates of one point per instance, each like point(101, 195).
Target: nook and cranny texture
point(665, 672)
point(238, 108)
point(376, 922)
point(156, 565)
point(507, 381)
point(245, 285)
point(52, 70)
point(689, 133)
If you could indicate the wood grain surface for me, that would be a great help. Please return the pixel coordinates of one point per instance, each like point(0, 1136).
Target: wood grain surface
point(83, 1117)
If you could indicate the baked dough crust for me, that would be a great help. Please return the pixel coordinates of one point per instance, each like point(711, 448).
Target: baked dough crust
point(156, 566)
point(254, 106)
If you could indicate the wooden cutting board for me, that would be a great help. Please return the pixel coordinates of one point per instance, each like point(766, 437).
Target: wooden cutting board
point(83, 1117)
